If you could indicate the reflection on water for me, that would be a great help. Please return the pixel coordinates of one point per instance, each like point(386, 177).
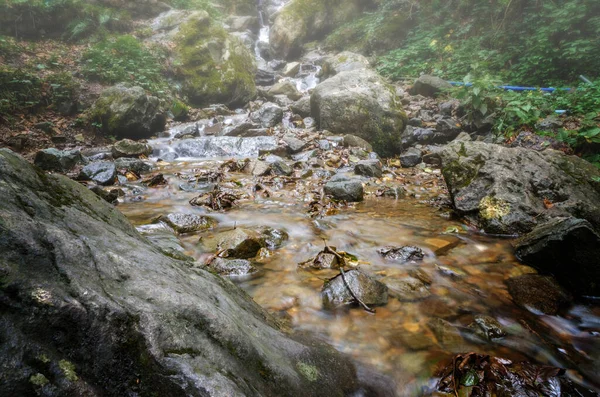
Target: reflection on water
point(467, 273)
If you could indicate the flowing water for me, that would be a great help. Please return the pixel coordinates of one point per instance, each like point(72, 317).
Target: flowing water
point(466, 269)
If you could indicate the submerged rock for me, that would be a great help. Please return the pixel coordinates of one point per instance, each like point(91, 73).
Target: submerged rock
point(487, 327)
point(538, 293)
point(567, 248)
point(403, 254)
point(361, 103)
point(58, 160)
point(408, 289)
point(187, 223)
point(512, 190)
point(237, 243)
point(82, 287)
point(370, 291)
point(232, 267)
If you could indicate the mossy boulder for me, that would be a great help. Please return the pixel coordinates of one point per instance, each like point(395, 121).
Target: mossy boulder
point(343, 62)
point(513, 190)
point(302, 21)
point(214, 66)
point(361, 103)
point(128, 112)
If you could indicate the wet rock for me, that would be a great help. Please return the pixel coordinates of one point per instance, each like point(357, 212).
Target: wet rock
point(395, 192)
point(136, 165)
point(129, 148)
point(101, 172)
point(58, 160)
point(301, 107)
point(368, 290)
point(111, 196)
point(447, 335)
point(360, 103)
point(512, 190)
point(286, 88)
point(415, 340)
point(222, 146)
point(407, 253)
point(197, 187)
point(232, 267)
point(446, 129)
point(429, 86)
point(370, 168)
point(155, 180)
point(258, 168)
point(410, 158)
point(264, 77)
point(187, 223)
point(355, 141)
point(344, 190)
point(530, 140)
point(343, 62)
point(325, 260)
point(86, 287)
point(432, 159)
point(305, 156)
point(408, 289)
point(237, 243)
point(291, 69)
point(294, 144)
point(487, 327)
point(164, 238)
point(537, 293)
point(127, 112)
point(279, 166)
point(567, 248)
point(268, 115)
point(416, 135)
point(239, 130)
point(273, 238)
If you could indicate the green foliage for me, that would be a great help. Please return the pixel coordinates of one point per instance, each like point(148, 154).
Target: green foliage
point(9, 47)
point(20, 91)
point(205, 5)
point(125, 59)
point(93, 19)
point(521, 41)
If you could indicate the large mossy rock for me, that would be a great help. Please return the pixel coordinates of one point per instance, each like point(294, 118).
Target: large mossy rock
point(361, 103)
point(127, 112)
point(90, 307)
point(512, 190)
point(214, 66)
point(301, 21)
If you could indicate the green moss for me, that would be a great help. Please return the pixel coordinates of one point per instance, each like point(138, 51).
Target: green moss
point(493, 208)
point(68, 369)
point(310, 372)
point(38, 380)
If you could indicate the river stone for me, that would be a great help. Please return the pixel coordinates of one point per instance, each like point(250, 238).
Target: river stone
point(164, 238)
point(429, 86)
point(279, 166)
point(273, 238)
point(301, 107)
point(361, 103)
point(258, 168)
point(237, 243)
point(291, 69)
point(187, 223)
point(127, 112)
point(110, 196)
point(512, 190)
point(408, 289)
point(84, 291)
point(286, 88)
point(232, 267)
point(345, 189)
point(343, 62)
point(129, 148)
point(537, 293)
point(101, 172)
point(268, 115)
point(370, 168)
point(368, 290)
point(350, 140)
point(447, 335)
point(294, 144)
point(411, 158)
point(135, 165)
point(407, 253)
point(58, 160)
point(240, 129)
point(567, 248)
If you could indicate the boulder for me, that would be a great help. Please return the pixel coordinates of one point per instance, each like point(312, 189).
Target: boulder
point(128, 112)
point(361, 103)
point(101, 172)
point(370, 168)
point(355, 141)
point(344, 189)
point(343, 62)
point(58, 160)
point(301, 107)
point(301, 21)
point(279, 166)
point(291, 69)
point(512, 190)
point(268, 115)
point(215, 66)
point(541, 294)
point(335, 293)
point(165, 239)
point(567, 248)
point(91, 305)
point(410, 158)
point(129, 148)
point(286, 88)
point(429, 86)
point(187, 223)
